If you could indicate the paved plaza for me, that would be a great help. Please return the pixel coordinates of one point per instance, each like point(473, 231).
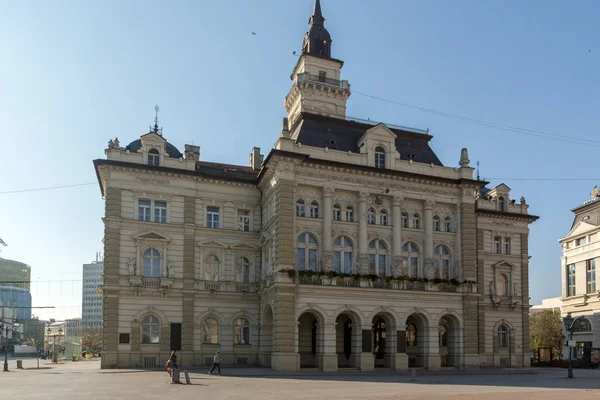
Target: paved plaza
point(84, 380)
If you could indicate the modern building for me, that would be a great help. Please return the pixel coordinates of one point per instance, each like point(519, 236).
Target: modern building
point(553, 303)
point(350, 245)
point(91, 307)
point(15, 280)
point(580, 294)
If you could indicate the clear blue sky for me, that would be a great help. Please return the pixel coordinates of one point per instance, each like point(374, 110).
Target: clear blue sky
point(76, 73)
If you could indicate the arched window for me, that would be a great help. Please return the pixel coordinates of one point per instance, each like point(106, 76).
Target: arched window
point(436, 223)
point(349, 214)
point(300, 208)
point(314, 209)
point(411, 335)
point(443, 332)
point(416, 221)
point(379, 157)
point(342, 255)
point(497, 245)
point(447, 224)
point(404, 218)
point(378, 257)
point(211, 268)
point(503, 336)
point(507, 245)
point(153, 157)
point(306, 251)
point(241, 331)
point(383, 217)
point(411, 256)
point(443, 254)
point(151, 263)
point(242, 272)
point(371, 216)
point(210, 328)
point(501, 203)
point(502, 285)
point(150, 329)
point(581, 324)
point(337, 212)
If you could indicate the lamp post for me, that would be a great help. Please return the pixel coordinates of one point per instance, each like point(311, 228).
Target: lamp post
point(4, 329)
point(568, 321)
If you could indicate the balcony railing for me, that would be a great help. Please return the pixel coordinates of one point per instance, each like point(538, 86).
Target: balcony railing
point(390, 284)
point(321, 79)
point(151, 282)
point(235, 287)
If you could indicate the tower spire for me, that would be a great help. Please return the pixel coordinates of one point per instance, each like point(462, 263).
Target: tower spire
point(317, 40)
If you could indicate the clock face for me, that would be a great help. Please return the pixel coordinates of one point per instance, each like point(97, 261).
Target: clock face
point(595, 192)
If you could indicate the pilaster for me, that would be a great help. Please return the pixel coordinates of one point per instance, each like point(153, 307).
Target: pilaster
point(329, 357)
point(468, 238)
point(284, 356)
point(363, 256)
point(327, 255)
point(284, 230)
point(187, 325)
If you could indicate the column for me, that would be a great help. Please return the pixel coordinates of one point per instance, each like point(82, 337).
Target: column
point(428, 266)
point(366, 360)
point(433, 361)
point(397, 235)
point(329, 361)
point(327, 255)
point(363, 256)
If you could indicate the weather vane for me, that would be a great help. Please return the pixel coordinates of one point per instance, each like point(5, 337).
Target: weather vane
point(156, 129)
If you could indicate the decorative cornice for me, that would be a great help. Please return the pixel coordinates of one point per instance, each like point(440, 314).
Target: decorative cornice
point(506, 215)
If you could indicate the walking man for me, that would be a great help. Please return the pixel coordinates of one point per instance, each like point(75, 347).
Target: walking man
point(216, 363)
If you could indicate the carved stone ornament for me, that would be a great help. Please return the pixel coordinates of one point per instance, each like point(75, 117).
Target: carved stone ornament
point(404, 268)
point(397, 201)
point(397, 266)
point(458, 271)
point(327, 261)
point(363, 264)
point(363, 196)
point(327, 191)
point(430, 268)
point(131, 265)
point(168, 272)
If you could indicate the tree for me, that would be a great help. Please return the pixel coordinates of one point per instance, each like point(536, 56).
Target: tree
point(545, 331)
point(90, 342)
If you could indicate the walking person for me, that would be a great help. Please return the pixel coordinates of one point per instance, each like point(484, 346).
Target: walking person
point(173, 359)
point(216, 363)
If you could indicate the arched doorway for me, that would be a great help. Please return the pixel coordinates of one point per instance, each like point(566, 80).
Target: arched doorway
point(416, 340)
point(266, 338)
point(347, 335)
point(383, 346)
point(308, 343)
point(449, 341)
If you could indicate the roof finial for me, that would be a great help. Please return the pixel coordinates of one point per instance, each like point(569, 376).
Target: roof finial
point(478, 170)
point(156, 129)
point(317, 9)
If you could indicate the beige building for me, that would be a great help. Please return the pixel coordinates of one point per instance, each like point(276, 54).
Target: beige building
point(580, 294)
point(349, 246)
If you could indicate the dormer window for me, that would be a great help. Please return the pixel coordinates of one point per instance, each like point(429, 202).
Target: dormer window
point(501, 203)
point(379, 157)
point(153, 157)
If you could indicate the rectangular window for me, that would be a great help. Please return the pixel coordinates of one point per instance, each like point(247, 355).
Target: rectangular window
point(212, 217)
point(123, 338)
point(322, 76)
point(160, 212)
point(506, 245)
point(571, 280)
point(244, 220)
point(144, 210)
point(590, 276)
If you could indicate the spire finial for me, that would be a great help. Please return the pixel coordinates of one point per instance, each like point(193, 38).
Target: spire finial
point(478, 170)
point(317, 9)
point(156, 129)
point(317, 40)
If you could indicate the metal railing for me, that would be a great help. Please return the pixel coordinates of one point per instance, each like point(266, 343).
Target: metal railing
point(382, 283)
point(393, 126)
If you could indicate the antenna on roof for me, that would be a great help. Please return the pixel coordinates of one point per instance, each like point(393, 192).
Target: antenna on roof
point(478, 170)
point(156, 129)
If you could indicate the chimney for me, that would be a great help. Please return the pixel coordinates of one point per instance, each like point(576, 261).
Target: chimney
point(256, 159)
point(192, 152)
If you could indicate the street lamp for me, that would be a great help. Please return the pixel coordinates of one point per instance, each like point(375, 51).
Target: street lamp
point(4, 329)
point(568, 321)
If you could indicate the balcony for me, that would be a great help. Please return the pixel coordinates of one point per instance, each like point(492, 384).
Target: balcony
point(230, 287)
point(305, 77)
point(375, 282)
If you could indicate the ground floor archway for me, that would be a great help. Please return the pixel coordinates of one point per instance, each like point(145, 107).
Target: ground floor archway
point(383, 344)
point(309, 335)
point(417, 340)
point(266, 338)
point(449, 341)
point(347, 335)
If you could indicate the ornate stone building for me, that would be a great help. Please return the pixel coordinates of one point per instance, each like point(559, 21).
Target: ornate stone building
point(349, 246)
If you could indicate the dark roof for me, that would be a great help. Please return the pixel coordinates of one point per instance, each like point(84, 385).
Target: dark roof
point(226, 172)
point(317, 40)
point(172, 151)
point(339, 134)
